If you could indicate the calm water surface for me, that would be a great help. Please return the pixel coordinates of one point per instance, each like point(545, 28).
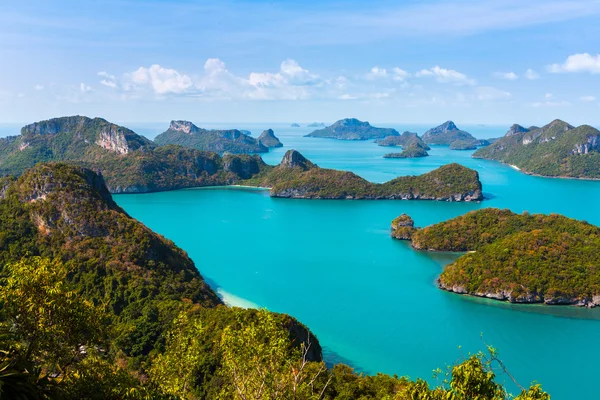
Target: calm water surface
point(371, 300)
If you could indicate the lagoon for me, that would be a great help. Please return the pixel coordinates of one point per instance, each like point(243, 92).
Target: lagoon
point(371, 300)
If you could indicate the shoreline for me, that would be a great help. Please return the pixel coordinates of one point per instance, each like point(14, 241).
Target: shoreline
point(538, 175)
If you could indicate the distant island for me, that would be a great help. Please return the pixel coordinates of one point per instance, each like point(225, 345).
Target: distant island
point(520, 258)
point(557, 149)
point(449, 134)
point(353, 129)
point(463, 145)
point(316, 125)
point(297, 177)
point(406, 139)
point(413, 150)
point(268, 139)
point(185, 133)
point(295, 125)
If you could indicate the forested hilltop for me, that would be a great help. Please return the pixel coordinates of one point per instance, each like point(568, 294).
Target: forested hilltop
point(95, 305)
point(557, 150)
point(297, 177)
point(520, 258)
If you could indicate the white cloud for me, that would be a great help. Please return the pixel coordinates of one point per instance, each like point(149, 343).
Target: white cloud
point(38, 87)
point(377, 72)
point(84, 88)
point(583, 62)
point(162, 80)
point(490, 93)
point(446, 76)
point(399, 74)
point(587, 99)
point(108, 79)
point(531, 74)
point(509, 76)
point(548, 96)
point(347, 96)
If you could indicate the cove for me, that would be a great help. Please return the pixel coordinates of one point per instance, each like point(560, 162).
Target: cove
point(372, 301)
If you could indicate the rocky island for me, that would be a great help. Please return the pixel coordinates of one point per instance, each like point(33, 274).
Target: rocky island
point(463, 145)
point(554, 150)
point(297, 177)
point(413, 150)
point(353, 129)
point(295, 125)
point(316, 125)
point(403, 227)
point(406, 139)
point(446, 134)
point(268, 139)
point(185, 133)
point(520, 258)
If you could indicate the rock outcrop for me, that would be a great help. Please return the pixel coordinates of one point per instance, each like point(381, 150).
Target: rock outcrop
point(185, 133)
point(268, 139)
point(445, 134)
point(403, 227)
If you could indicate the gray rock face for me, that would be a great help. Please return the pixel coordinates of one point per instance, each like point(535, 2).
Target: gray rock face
point(268, 139)
point(515, 129)
point(293, 159)
point(592, 144)
point(184, 126)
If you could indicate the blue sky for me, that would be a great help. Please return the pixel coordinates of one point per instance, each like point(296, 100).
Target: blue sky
point(492, 62)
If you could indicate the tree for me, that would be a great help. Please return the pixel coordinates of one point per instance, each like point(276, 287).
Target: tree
point(52, 326)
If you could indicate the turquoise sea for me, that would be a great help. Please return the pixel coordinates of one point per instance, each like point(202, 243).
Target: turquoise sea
point(372, 301)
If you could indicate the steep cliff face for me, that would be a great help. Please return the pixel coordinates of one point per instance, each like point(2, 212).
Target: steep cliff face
point(555, 149)
point(185, 133)
point(268, 139)
point(75, 138)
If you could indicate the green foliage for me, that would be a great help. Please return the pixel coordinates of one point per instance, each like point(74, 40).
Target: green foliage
point(218, 141)
point(556, 149)
point(520, 258)
point(463, 145)
point(352, 129)
point(51, 323)
point(449, 182)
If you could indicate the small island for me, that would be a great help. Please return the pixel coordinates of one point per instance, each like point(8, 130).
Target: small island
point(316, 125)
point(519, 258)
point(268, 139)
point(445, 134)
point(463, 145)
point(557, 149)
point(406, 139)
point(295, 125)
point(403, 227)
point(411, 151)
point(297, 177)
point(185, 133)
point(353, 129)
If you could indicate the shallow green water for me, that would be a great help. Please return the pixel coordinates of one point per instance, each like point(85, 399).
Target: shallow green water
point(371, 300)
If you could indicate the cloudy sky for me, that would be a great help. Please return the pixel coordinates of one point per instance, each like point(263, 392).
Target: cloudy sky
point(425, 61)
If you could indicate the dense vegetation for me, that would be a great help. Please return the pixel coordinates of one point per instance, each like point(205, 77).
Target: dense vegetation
point(556, 149)
point(403, 227)
point(463, 145)
point(67, 138)
point(186, 134)
point(412, 150)
point(353, 129)
point(446, 134)
point(407, 139)
point(299, 178)
point(95, 305)
point(519, 258)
